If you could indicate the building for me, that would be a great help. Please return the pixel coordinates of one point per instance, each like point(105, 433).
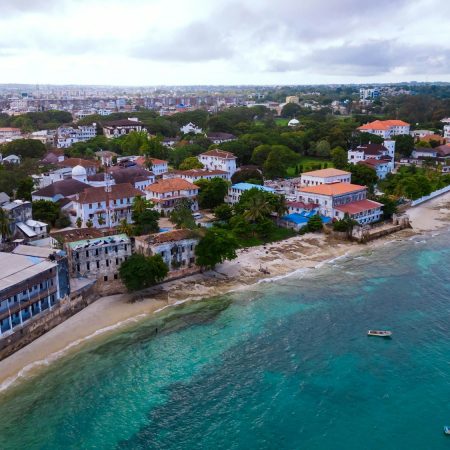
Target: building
point(67, 136)
point(325, 176)
point(117, 128)
point(89, 166)
point(194, 175)
point(381, 166)
point(420, 134)
point(385, 128)
point(369, 94)
point(177, 247)
point(219, 138)
point(157, 166)
point(218, 160)
point(137, 176)
point(54, 156)
point(191, 128)
point(384, 153)
point(8, 133)
point(292, 99)
point(235, 191)
point(10, 159)
point(60, 189)
point(166, 194)
point(426, 152)
point(335, 199)
point(447, 132)
point(296, 221)
point(18, 212)
point(105, 206)
point(106, 158)
point(32, 280)
point(293, 123)
point(98, 258)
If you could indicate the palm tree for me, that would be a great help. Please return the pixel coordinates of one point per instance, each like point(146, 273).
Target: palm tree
point(5, 231)
point(281, 207)
point(257, 208)
point(101, 220)
point(125, 228)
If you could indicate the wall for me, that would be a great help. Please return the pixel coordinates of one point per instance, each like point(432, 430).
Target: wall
point(429, 197)
point(45, 321)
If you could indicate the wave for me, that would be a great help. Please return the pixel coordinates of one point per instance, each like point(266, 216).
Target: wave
point(26, 371)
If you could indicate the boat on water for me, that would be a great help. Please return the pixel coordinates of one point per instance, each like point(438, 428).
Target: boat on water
point(447, 429)
point(379, 333)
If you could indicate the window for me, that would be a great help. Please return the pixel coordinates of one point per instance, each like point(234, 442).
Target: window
point(107, 263)
point(117, 261)
point(105, 278)
point(90, 205)
point(96, 252)
point(78, 267)
point(98, 264)
point(115, 276)
point(88, 266)
point(87, 253)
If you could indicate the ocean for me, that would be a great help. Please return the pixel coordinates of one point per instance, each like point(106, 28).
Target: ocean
point(284, 365)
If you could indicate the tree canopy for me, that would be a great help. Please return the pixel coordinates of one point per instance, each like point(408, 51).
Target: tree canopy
point(140, 272)
point(216, 246)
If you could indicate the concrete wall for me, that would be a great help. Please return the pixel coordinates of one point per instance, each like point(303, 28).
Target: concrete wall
point(429, 197)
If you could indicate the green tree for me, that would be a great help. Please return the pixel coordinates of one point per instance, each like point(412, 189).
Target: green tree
point(215, 247)
point(125, 228)
point(140, 272)
point(79, 222)
point(25, 188)
point(245, 175)
point(345, 225)
point(89, 223)
point(191, 163)
point(389, 205)
point(147, 222)
point(363, 175)
point(257, 206)
point(212, 192)
point(290, 110)
point(223, 212)
point(25, 148)
point(181, 216)
point(260, 154)
point(46, 211)
point(423, 144)
point(339, 157)
point(314, 224)
point(5, 231)
point(404, 145)
point(322, 149)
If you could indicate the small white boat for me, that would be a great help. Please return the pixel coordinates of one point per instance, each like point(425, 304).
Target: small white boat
point(447, 429)
point(379, 333)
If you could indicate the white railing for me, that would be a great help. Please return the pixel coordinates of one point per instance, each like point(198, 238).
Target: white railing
point(432, 195)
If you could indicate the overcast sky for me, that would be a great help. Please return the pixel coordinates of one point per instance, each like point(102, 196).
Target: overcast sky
point(148, 42)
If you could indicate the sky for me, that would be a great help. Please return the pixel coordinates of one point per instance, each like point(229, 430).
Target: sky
point(226, 42)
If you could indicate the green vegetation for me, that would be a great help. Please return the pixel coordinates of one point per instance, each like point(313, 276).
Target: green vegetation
point(314, 224)
point(413, 183)
point(216, 246)
point(191, 162)
point(25, 148)
point(50, 213)
point(140, 272)
point(46, 120)
point(212, 192)
point(182, 217)
point(345, 225)
point(145, 218)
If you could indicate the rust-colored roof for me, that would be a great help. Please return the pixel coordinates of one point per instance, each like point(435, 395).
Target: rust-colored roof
point(72, 162)
point(358, 207)
point(98, 194)
point(372, 162)
point(170, 185)
point(332, 189)
point(167, 236)
point(383, 125)
point(219, 154)
point(326, 173)
point(6, 129)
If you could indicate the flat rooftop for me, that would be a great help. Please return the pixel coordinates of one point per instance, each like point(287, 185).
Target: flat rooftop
point(17, 268)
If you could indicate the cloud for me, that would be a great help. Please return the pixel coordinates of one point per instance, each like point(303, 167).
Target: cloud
point(24, 6)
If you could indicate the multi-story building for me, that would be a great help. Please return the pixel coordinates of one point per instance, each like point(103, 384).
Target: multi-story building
point(235, 191)
point(377, 156)
point(105, 206)
point(157, 166)
point(18, 212)
point(67, 136)
point(191, 128)
point(117, 128)
point(325, 176)
point(194, 175)
point(336, 199)
point(32, 280)
point(166, 194)
point(369, 94)
point(90, 167)
point(8, 133)
point(219, 138)
point(447, 132)
point(67, 188)
point(98, 258)
point(385, 128)
point(137, 176)
point(177, 248)
point(218, 160)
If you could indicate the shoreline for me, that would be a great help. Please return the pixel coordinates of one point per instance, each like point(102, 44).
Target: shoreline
point(281, 259)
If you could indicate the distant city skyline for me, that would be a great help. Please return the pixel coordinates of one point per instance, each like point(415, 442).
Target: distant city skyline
point(225, 42)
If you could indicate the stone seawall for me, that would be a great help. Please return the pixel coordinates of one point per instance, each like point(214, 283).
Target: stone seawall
point(47, 320)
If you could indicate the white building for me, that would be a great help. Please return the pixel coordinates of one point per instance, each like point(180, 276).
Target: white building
point(157, 166)
point(369, 94)
point(191, 128)
point(385, 128)
point(336, 199)
point(235, 191)
point(10, 159)
point(177, 247)
point(117, 128)
point(219, 138)
point(447, 132)
point(218, 160)
point(166, 194)
point(194, 175)
point(8, 133)
point(67, 136)
point(383, 153)
point(108, 205)
point(293, 123)
point(325, 176)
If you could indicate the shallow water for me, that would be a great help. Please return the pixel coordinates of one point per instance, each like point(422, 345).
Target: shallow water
point(287, 365)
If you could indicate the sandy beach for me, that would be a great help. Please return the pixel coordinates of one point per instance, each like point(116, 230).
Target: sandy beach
point(281, 258)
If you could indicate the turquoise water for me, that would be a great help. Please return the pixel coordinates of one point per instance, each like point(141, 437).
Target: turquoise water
point(286, 365)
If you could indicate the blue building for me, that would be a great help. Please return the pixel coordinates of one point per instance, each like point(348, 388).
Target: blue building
point(32, 280)
point(235, 191)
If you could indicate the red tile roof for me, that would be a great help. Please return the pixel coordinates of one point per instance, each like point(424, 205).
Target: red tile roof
point(358, 207)
point(383, 125)
point(72, 162)
point(326, 173)
point(219, 154)
point(332, 189)
point(98, 194)
point(171, 185)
